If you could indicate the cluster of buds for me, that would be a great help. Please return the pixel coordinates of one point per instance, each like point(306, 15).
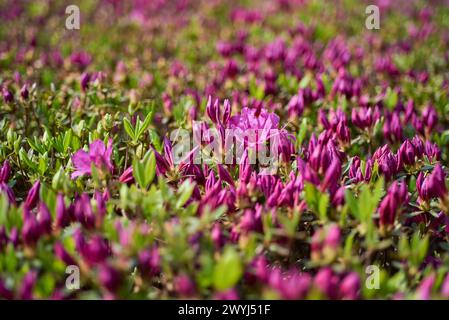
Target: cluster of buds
point(390, 206)
point(432, 185)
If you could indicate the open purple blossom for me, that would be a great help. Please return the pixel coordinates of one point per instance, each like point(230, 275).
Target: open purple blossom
point(313, 151)
point(99, 155)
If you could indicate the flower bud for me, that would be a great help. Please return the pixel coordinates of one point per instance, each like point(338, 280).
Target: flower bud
point(184, 286)
point(24, 93)
point(84, 81)
point(433, 185)
point(109, 277)
point(44, 219)
point(350, 287)
point(33, 196)
point(62, 216)
point(8, 97)
point(28, 282)
point(63, 255)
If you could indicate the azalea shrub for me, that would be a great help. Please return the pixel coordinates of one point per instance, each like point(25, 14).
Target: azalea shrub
point(97, 202)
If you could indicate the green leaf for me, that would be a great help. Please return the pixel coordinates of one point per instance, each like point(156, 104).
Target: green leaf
point(144, 125)
point(4, 205)
point(305, 81)
point(288, 224)
point(323, 203)
point(155, 140)
point(184, 193)
point(310, 195)
point(129, 129)
point(205, 275)
point(150, 167)
point(67, 139)
point(139, 172)
point(43, 164)
point(49, 198)
point(145, 170)
point(391, 98)
point(351, 201)
point(228, 270)
point(347, 251)
point(302, 131)
point(418, 248)
point(36, 145)
point(369, 200)
point(24, 157)
point(256, 91)
point(11, 258)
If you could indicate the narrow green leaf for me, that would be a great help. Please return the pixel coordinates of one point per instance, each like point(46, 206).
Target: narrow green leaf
point(145, 124)
point(322, 205)
point(150, 168)
point(139, 173)
point(67, 139)
point(129, 128)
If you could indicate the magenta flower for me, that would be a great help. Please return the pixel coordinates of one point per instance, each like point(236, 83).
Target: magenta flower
point(254, 127)
point(230, 294)
point(355, 170)
point(63, 255)
point(62, 214)
point(127, 176)
point(325, 242)
point(94, 250)
point(30, 230)
point(24, 93)
point(407, 153)
point(80, 59)
point(217, 236)
point(397, 196)
point(99, 155)
point(85, 80)
point(215, 113)
point(184, 286)
point(255, 119)
point(44, 219)
point(5, 292)
point(290, 285)
point(7, 95)
point(33, 196)
point(365, 117)
point(350, 287)
point(83, 212)
point(109, 277)
point(445, 287)
point(332, 175)
point(149, 262)
point(5, 172)
point(424, 290)
point(388, 162)
point(327, 282)
point(28, 283)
